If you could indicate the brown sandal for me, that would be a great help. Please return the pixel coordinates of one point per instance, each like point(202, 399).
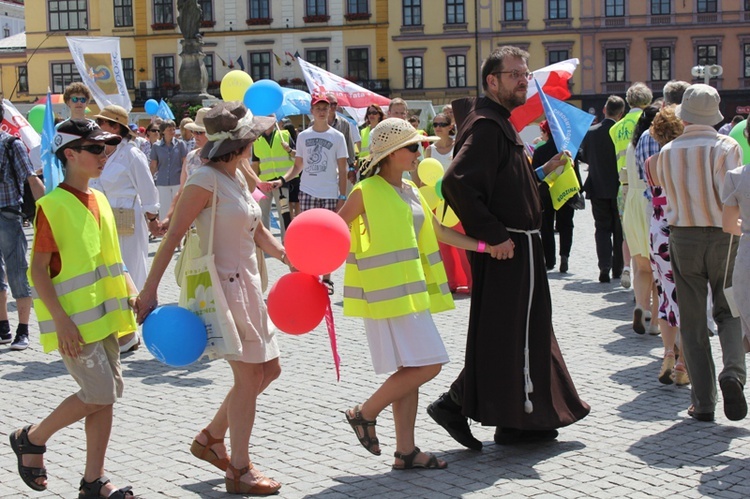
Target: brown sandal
point(263, 487)
point(367, 441)
point(205, 452)
point(432, 463)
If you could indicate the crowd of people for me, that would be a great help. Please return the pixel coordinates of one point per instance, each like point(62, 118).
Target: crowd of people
point(676, 217)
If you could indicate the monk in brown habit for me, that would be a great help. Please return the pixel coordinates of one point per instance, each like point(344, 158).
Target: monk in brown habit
point(514, 376)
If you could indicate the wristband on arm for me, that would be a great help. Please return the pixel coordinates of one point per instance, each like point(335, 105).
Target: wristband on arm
point(481, 245)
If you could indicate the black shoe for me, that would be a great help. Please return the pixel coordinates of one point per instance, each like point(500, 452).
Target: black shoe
point(5, 338)
point(604, 275)
point(563, 264)
point(511, 436)
point(706, 417)
point(735, 405)
point(447, 414)
point(21, 342)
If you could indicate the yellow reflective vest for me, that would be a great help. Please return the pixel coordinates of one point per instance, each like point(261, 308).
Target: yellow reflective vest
point(622, 133)
point(91, 286)
point(391, 271)
point(364, 148)
point(273, 158)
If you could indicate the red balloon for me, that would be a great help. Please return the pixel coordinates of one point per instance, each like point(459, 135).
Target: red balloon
point(317, 241)
point(297, 303)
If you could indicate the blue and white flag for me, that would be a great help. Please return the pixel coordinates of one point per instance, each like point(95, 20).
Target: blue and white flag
point(51, 166)
point(567, 123)
point(164, 111)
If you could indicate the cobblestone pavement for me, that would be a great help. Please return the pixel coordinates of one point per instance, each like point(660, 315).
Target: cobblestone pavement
point(637, 441)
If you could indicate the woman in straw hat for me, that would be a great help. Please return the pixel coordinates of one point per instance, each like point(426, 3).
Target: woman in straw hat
point(394, 281)
point(231, 130)
point(127, 182)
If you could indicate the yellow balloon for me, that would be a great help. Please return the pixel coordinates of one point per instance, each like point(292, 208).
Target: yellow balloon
point(234, 85)
point(430, 171)
point(446, 215)
point(430, 196)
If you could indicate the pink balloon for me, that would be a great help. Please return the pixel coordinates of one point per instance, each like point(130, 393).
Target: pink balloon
point(297, 303)
point(317, 241)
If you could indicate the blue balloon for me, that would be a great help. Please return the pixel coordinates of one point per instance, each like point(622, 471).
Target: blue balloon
point(263, 97)
point(174, 335)
point(151, 106)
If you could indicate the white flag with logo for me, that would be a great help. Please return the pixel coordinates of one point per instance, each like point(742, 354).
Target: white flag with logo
point(98, 61)
point(348, 93)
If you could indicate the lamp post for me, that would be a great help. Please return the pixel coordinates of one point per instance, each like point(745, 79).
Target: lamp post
point(707, 72)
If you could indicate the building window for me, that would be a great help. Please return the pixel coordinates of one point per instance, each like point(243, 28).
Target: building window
point(614, 8)
point(123, 13)
point(128, 72)
point(513, 10)
point(747, 5)
point(208, 61)
point(707, 6)
point(164, 70)
point(413, 72)
point(661, 7)
point(707, 54)
point(358, 64)
point(316, 8)
point(357, 7)
point(207, 6)
point(6, 32)
point(163, 12)
point(554, 56)
point(456, 71)
point(615, 63)
point(455, 12)
point(318, 58)
point(63, 74)
point(412, 12)
point(746, 60)
point(661, 64)
point(65, 15)
point(259, 9)
point(558, 9)
point(260, 65)
point(23, 75)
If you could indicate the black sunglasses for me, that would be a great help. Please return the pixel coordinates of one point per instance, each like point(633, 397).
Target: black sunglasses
point(94, 149)
point(440, 125)
point(373, 112)
point(412, 147)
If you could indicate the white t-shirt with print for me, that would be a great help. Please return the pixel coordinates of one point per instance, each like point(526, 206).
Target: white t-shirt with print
point(319, 152)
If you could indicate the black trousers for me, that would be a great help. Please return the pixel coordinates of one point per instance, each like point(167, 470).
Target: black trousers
point(607, 234)
point(564, 220)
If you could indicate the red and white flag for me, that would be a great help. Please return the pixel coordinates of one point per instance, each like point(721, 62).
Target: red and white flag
point(554, 82)
point(349, 94)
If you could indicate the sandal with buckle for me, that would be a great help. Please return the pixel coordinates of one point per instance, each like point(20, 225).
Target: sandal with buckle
point(263, 487)
point(357, 422)
point(19, 442)
point(433, 463)
point(92, 490)
point(329, 285)
point(207, 454)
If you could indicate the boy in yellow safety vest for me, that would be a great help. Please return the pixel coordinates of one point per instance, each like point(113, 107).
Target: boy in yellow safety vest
point(83, 297)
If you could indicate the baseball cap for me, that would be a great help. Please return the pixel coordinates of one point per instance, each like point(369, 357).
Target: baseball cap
point(319, 98)
point(74, 130)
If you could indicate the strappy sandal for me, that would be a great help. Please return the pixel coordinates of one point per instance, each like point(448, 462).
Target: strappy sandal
point(367, 441)
point(92, 490)
point(329, 285)
point(21, 445)
point(205, 452)
point(263, 487)
point(432, 463)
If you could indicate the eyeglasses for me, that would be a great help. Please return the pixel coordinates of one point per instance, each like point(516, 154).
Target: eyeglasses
point(152, 130)
point(82, 100)
point(196, 132)
point(373, 113)
point(412, 147)
point(94, 149)
point(516, 75)
point(441, 125)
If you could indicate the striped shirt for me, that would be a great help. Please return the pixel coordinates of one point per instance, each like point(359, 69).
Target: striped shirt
point(691, 169)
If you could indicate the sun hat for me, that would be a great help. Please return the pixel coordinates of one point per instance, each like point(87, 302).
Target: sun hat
point(230, 126)
point(544, 126)
point(133, 127)
point(700, 105)
point(390, 135)
point(77, 130)
point(116, 114)
point(197, 125)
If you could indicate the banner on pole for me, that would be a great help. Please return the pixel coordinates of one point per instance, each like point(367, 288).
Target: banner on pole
point(99, 64)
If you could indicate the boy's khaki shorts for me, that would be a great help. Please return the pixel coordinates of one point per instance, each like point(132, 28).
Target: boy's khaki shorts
point(97, 371)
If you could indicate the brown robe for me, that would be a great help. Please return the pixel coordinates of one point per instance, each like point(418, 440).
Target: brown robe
point(491, 188)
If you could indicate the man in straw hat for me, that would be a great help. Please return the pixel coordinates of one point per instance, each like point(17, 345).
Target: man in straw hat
point(690, 169)
point(510, 340)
